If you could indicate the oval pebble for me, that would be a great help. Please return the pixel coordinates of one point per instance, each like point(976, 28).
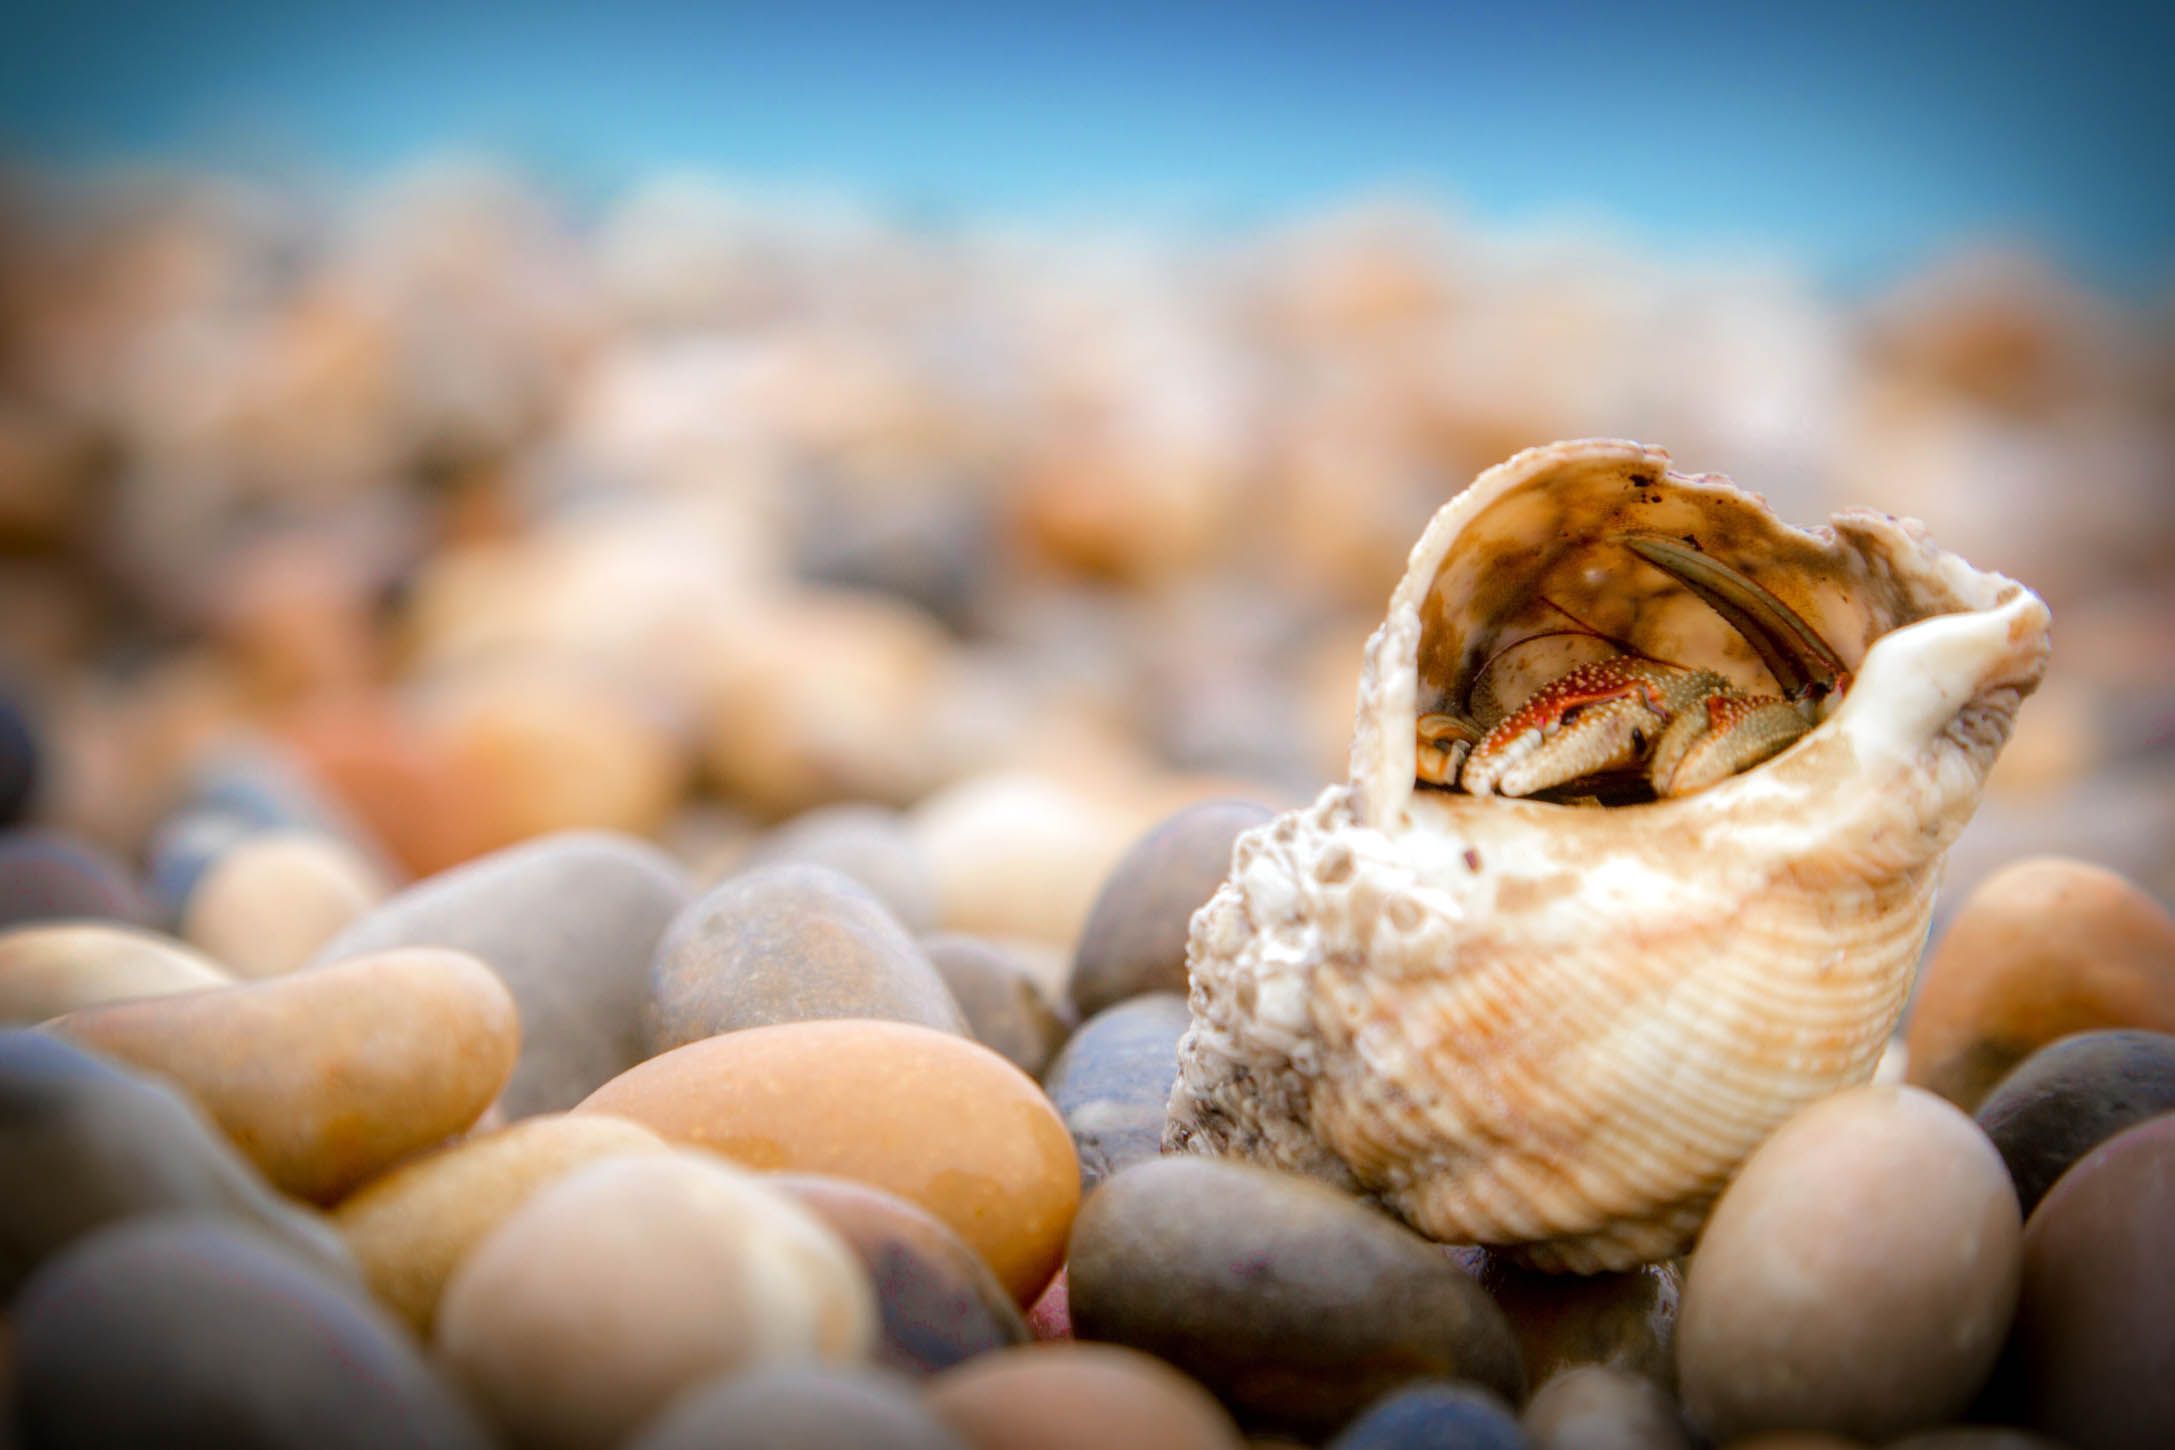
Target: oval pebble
point(1625, 1320)
point(2043, 948)
point(1134, 940)
point(799, 1407)
point(938, 1302)
point(940, 1121)
point(1113, 1082)
point(1599, 1407)
point(1434, 1416)
point(634, 1280)
point(85, 1143)
point(271, 900)
point(789, 943)
point(868, 843)
point(1297, 1305)
point(569, 923)
point(167, 1332)
point(411, 1228)
point(326, 1078)
point(2069, 1097)
point(1004, 1003)
point(1856, 1278)
point(45, 876)
point(52, 968)
point(2094, 1344)
point(1079, 1397)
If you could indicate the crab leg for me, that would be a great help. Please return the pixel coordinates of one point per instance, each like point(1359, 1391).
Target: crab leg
point(1719, 737)
point(1799, 659)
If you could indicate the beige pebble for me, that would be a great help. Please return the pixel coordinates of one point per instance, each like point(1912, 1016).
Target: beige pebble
point(410, 1229)
point(325, 1078)
point(1019, 853)
point(267, 904)
point(636, 1279)
point(50, 968)
point(1079, 1397)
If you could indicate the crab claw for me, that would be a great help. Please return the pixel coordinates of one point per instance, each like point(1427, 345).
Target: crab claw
point(1731, 733)
point(1800, 660)
point(1600, 717)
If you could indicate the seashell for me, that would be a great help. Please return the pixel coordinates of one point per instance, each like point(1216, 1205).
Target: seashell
point(1558, 1029)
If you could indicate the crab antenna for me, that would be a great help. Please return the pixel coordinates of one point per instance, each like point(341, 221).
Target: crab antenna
point(1799, 659)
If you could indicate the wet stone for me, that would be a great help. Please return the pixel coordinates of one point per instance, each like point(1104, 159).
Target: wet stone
point(938, 1301)
point(1434, 1417)
point(799, 1407)
point(45, 876)
point(1113, 1082)
point(85, 1143)
point(2068, 1098)
point(1297, 1305)
point(1135, 937)
point(167, 1332)
point(569, 923)
point(789, 943)
point(1626, 1320)
point(1004, 1003)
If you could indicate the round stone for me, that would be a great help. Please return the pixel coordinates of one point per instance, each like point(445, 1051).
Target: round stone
point(1078, 1397)
point(1135, 937)
point(411, 1228)
point(2092, 1343)
point(1626, 1321)
point(324, 1079)
point(45, 876)
point(866, 842)
point(1113, 1082)
point(789, 943)
point(1857, 1277)
point(940, 1121)
point(636, 1279)
point(1596, 1407)
point(799, 1407)
point(1004, 1003)
point(2069, 1097)
point(85, 1143)
point(167, 1332)
point(271, 900)
point(20, 759)
point(46, 970)
point(939, 1303)
point(2042, 949)
point(1019, 853)
point(569, 923)
point(1434, 1416)
point(1297, 1305)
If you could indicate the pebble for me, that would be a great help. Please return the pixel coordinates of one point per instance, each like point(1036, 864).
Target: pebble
point(2068, 1098)
point(2043, 948)
point(1050, 1317)
point(1135, 937)
point(1296, 1304)
point(866, 842)
point(45, 876)
point(789, 943)
point(271, 900)
point(399, 779)
point(634, 1280)
point(938, 1302)
point(85, 1143)
point(799, 1407)
point(46, 970)
point(1434, 1416)
point(170, 1332)
point(2093, 1345)
point(20, 760)
point(1019, 853)
point(1005, 1005)
point(1113, 1082)
point(1625, 1321)
point(940, 1121)
point(1598, 1407)
point(1079, 1397)
point(569, 923)
point(324, 1079)
point(410, 1228)
point(1856, 1277)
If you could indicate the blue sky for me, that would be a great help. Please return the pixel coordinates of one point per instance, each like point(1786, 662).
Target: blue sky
point(1857, 139)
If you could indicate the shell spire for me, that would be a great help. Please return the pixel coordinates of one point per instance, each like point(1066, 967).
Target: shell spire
point(1558, 1028)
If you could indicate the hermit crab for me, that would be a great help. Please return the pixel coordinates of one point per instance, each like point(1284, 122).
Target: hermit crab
point(1649, 796)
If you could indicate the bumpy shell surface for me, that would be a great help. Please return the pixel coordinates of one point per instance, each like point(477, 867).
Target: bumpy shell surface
point(1557, 1028)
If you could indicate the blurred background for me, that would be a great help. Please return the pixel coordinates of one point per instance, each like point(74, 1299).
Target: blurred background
point(481, 421)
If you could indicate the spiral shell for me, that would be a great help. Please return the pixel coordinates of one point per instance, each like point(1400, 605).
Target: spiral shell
point(1559, 1029)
